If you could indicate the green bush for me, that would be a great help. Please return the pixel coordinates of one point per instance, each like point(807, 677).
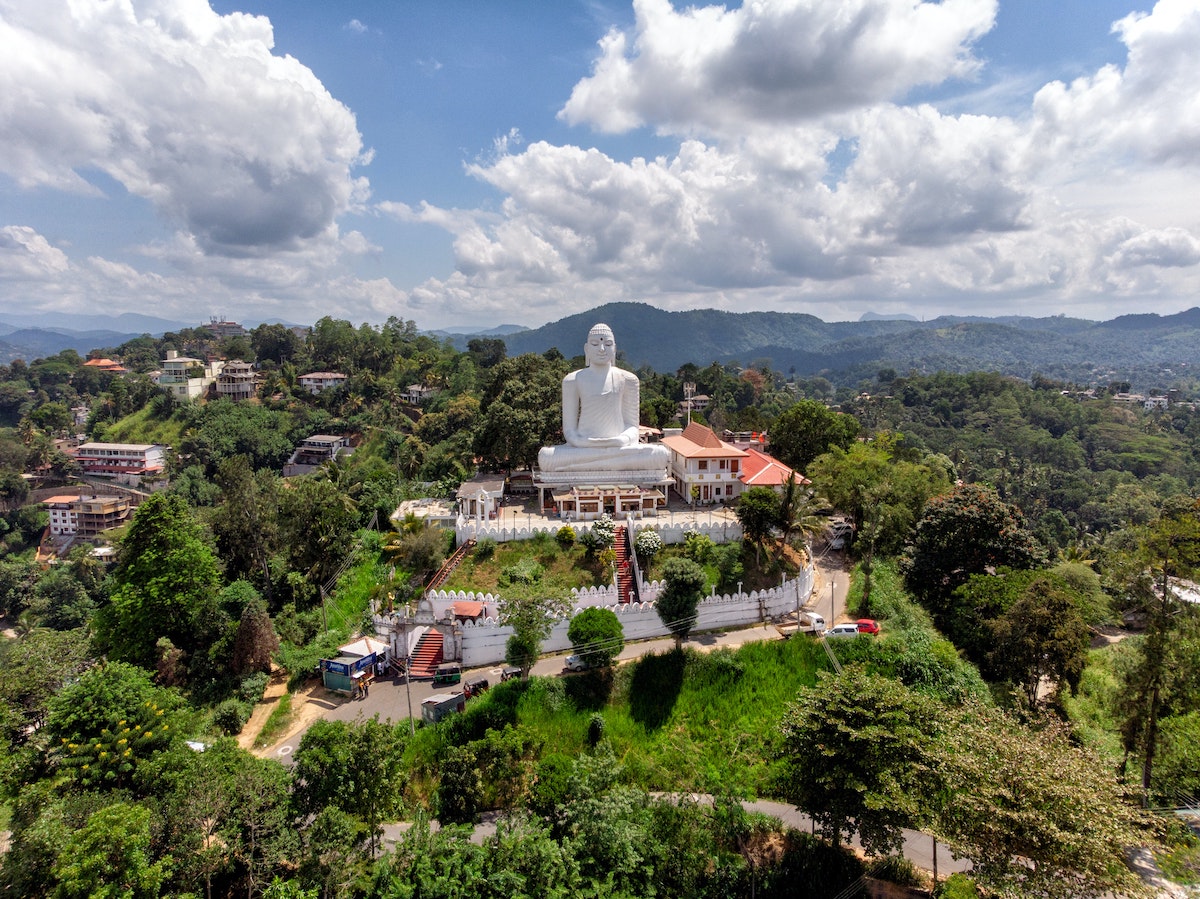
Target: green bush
point(527, 571)
point(898, 870)
point(484, 550)
point(957, 886)
point(595, 729)
point(231, 716)
point(253, 686)
point(565, 536)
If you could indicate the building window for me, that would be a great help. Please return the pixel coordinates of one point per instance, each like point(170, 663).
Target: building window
point(703, 464)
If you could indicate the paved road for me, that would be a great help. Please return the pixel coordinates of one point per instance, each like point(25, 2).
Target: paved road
point(918, 848)
point(391, 701)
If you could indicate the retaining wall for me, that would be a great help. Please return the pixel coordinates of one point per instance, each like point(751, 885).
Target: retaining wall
point(483, 642)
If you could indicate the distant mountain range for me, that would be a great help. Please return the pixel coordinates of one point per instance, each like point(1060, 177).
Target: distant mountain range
point(1147, 350)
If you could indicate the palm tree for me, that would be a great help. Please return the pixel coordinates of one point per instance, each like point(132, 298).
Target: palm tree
point(796, 514)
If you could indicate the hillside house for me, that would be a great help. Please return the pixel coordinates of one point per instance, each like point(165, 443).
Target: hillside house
point(416, 394)
point(127, 463)
point(314, 452)
point(237, 380)
point(86, 516)
point(703, 464)
point(319, 381)
point(187, 378)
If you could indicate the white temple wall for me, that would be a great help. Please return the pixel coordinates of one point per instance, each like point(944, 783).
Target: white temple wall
point(483, 643)
point(670, 527)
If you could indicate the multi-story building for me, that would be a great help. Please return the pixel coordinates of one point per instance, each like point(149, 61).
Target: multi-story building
point(86, 516)
point(187, 378)
point(320, 381)
point(314, 452)
point(125, 462)
point(224, 329)
point(237, 380)
point(704, 466)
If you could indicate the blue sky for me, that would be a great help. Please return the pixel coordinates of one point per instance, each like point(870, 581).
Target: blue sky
point(469, 163)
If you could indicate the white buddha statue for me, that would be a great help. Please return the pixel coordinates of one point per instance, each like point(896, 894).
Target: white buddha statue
point(600, 417)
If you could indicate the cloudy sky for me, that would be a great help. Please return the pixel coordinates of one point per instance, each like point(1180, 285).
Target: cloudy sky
point(462, 162)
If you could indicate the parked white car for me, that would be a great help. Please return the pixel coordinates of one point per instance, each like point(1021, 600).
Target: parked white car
point(847, 629)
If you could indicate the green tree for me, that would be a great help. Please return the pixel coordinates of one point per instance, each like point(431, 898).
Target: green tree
point(352, 767)
point(1041, 636)
point(520, 412)
point(163, 586)
point(683, 588)
point(759, 513)
point(109, 858)
point(1170, 549)
point(967, 531)
point(245, 525)
point(109, 722)
point(807, 430)
point(597, 635)
point(531, 618)
point(859, 755)
point(1037, 814)
point(255, 642)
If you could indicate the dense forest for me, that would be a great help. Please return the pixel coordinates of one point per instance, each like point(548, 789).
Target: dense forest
point(1032, 698)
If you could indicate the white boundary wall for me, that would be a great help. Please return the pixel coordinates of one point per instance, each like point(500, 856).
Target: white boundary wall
point(671, 528)
point(483, 643)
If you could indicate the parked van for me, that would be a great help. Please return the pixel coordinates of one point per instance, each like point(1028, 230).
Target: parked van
point(450, 673)
point(849, 629)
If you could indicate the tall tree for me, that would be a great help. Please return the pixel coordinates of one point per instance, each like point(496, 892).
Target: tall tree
point(1041, 636)
point(807, 430)
point(520, 412)
point(164, 584)
point(683, 588)
point(758, 511)
point(531, 617)
point(859, 755)
point(1169, 550)
point(967, 531)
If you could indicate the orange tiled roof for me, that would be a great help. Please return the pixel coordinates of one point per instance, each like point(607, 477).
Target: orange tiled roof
point(698, 441)
point(762, 470)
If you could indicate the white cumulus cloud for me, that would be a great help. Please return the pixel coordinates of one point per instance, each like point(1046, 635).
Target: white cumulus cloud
point(245, 150)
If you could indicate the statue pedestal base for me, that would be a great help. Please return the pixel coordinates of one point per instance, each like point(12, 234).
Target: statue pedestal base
point(586, 495)
point(658, 477)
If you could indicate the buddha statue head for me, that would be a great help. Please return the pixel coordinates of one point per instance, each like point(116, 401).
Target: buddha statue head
point(601, 346)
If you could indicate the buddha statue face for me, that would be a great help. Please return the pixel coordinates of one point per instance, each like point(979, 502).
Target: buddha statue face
point(601, 346)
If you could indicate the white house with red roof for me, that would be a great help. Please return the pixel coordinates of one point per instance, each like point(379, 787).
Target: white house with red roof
point(704, 465)
point(762, 470)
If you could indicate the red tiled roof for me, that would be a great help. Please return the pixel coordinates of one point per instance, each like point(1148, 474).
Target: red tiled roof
point(698, 441)
point(762, 470)
point(466, 609)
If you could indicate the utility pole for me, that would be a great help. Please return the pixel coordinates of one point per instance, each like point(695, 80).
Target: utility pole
point(412, 725)
point(832, 600)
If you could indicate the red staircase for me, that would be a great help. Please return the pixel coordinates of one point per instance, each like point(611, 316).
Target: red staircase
point(453, 562)
point(428, 654)
point(624, 569)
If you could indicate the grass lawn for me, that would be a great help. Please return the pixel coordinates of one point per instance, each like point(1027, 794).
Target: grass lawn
point(687, 721)
point(143, 427)
point(561, 569)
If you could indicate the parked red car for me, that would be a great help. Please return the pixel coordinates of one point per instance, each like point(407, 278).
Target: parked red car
point(867, 626)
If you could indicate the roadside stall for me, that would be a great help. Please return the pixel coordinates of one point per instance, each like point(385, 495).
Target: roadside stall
point(355, 662)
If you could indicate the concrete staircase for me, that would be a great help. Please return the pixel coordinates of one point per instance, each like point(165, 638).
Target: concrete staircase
point(624, 568)
point(448, 568)
point(428, 654)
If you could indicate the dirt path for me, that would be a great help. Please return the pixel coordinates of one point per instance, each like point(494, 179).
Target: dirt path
point(313, 701)
point(309, 704)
